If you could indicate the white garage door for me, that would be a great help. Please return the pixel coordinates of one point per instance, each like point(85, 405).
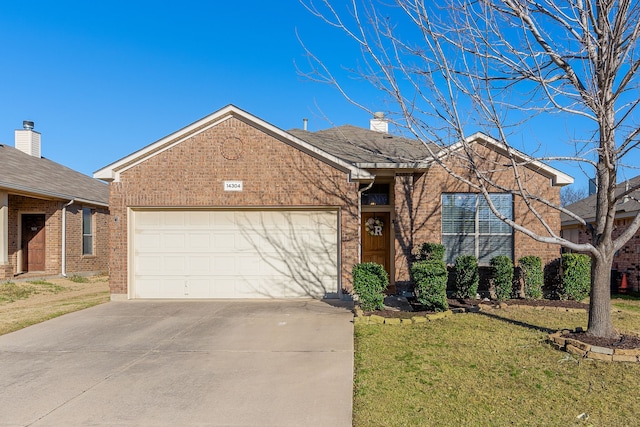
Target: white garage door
point(233, 254)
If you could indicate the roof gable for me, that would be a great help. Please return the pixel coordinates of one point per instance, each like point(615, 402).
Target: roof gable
point(38, 176)
point(557, 177)
point(586, 208)
point(113, 171)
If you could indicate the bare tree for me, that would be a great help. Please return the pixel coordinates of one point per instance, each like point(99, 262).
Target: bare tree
point(447, 67)
point(571, 194)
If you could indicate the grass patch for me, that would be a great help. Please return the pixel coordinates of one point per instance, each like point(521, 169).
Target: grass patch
point(10, 291)
point(22, 318)
point(489, 369)
point(45, 286)
point(78, 279)
point(626, 302)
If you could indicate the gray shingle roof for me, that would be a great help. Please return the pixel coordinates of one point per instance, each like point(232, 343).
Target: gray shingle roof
point(361, 146)
point(25, 174)
point(586, 208)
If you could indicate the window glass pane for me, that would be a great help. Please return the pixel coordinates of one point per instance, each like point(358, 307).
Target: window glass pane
point(467, 217)
point(488, 223)
point(86, 221)
point(87, 245)
point(492, 246)
point(458, 213)
point(378, 194)
point(87, 231)
point(456, 245)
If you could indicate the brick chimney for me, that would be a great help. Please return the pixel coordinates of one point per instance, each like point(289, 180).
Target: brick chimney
point(28, 140)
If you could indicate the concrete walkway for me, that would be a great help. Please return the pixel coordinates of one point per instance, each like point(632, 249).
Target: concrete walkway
point(167, 363)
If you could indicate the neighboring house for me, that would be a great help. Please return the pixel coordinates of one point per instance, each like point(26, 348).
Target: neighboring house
point(627, 259)
point(53, 220)
point(234, 207)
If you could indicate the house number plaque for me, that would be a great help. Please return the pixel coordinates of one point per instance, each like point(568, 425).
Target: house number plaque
point(233, 186)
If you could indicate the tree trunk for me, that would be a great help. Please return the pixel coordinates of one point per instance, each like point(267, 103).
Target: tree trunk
point(600, 322)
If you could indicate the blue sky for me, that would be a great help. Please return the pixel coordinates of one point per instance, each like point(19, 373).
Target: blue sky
point(103, 79)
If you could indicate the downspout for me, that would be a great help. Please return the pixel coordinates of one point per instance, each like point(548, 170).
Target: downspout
point(64, 237)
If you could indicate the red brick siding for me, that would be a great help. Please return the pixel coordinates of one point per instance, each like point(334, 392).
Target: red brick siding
point(418, 208)
point(76, 261)
point(52, 209)
point(191, 174)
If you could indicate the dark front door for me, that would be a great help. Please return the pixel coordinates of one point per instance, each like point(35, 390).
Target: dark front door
point(33, 242)
point(376, 244)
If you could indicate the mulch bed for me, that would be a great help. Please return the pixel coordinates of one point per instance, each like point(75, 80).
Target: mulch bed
point(626, 342)
point(472, 305)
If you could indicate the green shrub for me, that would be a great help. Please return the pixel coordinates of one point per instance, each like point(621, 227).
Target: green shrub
point(532, 276)
point(502, 274)
point(430, 284)
point(429, 251)
point(575, 282)
point(369, 282)
point(467, 276)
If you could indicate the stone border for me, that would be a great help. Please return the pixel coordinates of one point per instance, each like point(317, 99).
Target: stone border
point(537, 307)
point(594, 352)
point(374, 319)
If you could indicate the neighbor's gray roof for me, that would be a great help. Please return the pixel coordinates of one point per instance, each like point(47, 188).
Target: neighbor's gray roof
point(24, 174)
point(586, 208)
point(363, 146)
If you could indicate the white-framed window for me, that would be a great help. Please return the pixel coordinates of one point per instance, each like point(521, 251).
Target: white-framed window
point(470, 228)
point(88, 231)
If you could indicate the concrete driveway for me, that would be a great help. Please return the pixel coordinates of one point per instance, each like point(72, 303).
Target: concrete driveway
point(167, 363)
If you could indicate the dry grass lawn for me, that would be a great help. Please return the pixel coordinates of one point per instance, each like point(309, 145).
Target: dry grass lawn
point(24, 303)
point(492, 369)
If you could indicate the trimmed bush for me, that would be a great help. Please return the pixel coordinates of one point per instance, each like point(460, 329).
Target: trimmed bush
point(532, 275)
point(575, 282)
point(430, 284)
point(430, 251)
point(370, 280)
point(502, 273)
point(467, 276)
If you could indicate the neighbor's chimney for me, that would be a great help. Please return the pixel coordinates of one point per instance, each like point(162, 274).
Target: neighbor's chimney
point(379, 123)
point(305, 123)
point(28, 140)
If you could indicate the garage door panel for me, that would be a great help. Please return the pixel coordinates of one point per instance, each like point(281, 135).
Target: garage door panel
point(173, 241)
point(148, 240)
point(147, 265)
point(199, 240)
point(224, 241)
point(234, 254)
point(224, 265)
point(200, 265)
point(199, 219)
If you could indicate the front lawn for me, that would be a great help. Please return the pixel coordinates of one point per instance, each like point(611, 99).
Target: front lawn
point(491, 369)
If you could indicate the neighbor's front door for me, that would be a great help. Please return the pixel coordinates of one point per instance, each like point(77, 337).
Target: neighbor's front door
point(33, 242)
point(376, 245)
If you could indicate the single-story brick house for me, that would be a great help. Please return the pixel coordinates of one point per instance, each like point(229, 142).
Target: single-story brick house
point(626, 260)
point(232, 206)
point(53, 220)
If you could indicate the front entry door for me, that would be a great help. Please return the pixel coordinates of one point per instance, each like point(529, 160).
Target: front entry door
point(33, 242)
point(376, 244)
